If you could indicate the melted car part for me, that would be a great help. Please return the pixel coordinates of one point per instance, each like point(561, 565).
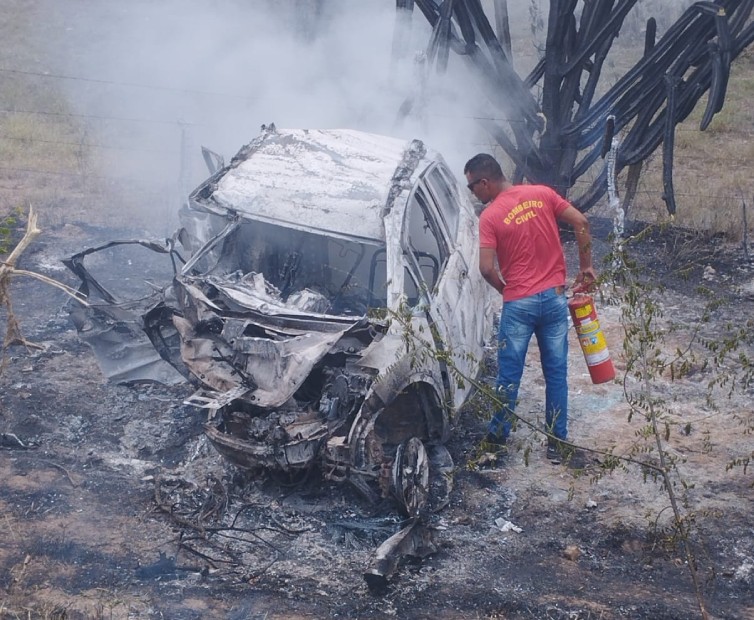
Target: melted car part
point(112, 324)
point(411, 476)
point(413, 540)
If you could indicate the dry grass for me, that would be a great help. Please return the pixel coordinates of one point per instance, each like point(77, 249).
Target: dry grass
point(41, 155)
point(711, 174)
point(45, 142)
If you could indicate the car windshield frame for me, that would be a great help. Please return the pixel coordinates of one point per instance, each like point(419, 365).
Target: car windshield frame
point(328, 274)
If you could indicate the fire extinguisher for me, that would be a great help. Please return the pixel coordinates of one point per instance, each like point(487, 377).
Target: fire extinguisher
point(591, 338)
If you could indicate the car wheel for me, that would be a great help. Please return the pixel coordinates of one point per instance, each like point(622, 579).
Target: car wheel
point(410, 478)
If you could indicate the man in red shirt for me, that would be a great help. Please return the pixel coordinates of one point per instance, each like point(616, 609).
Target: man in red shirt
point(518, 229)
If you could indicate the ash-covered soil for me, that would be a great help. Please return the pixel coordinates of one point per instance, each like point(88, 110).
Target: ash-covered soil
point(114, 506)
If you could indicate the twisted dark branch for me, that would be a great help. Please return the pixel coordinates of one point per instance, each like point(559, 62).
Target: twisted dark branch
point(695, 54)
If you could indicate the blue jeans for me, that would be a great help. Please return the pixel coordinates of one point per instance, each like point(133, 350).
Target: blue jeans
point(546, 315)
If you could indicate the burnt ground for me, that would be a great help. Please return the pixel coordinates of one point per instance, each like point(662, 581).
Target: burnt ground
point(113, 505)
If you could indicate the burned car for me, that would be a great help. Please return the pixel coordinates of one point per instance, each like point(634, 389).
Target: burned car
point(327, 303)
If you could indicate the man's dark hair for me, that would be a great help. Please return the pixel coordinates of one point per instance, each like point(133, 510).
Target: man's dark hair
point(484, 166)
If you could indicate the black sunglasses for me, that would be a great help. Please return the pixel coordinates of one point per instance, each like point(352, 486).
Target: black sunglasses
point(473, 183)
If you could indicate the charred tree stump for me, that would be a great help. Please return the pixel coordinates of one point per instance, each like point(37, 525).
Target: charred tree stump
point(558, 139)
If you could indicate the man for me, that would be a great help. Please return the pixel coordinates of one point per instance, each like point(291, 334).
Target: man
point(519, 229)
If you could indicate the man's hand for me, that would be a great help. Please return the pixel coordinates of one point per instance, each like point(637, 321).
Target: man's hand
point(586, 281)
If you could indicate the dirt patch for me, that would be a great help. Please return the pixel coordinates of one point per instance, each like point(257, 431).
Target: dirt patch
point(115, 506)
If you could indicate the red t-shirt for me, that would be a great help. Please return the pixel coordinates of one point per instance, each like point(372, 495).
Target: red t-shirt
point(520, 225)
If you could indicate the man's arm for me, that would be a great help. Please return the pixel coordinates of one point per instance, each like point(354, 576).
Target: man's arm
point(488, 268)
point(577, 220)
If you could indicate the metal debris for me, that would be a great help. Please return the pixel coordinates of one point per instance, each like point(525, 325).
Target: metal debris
point(414, 540)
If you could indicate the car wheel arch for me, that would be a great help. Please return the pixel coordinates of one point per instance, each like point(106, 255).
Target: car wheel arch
point(415, 410)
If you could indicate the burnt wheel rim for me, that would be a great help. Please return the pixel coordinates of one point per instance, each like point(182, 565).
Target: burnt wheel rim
point(410, 479)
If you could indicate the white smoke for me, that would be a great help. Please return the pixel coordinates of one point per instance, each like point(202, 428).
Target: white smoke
point(158, 79)
point(153, 80)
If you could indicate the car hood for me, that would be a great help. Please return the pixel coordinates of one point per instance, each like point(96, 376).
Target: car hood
point(237, 335)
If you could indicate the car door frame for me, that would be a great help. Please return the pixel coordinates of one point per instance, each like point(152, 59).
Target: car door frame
point(444, 296)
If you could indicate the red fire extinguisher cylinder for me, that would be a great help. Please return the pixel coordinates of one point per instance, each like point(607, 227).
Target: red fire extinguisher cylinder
point(591, 338)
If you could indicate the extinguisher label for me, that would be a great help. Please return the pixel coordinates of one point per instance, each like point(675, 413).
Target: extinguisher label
point(591, 339)
point(589, 329)
point(593, 359)
point(593, 343)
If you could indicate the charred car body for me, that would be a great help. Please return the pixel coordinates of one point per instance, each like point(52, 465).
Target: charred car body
point(326, 300)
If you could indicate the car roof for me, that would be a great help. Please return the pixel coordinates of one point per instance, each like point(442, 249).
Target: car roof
point(333, 180)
